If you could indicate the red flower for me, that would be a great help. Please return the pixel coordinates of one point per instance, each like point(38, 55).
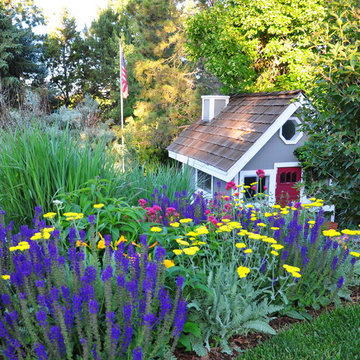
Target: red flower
point(260, 173)
point(230, 185)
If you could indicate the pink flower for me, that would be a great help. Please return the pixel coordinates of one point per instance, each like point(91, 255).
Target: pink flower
point(253, 187)
point(230, 185)
point(142, 202)
point(265, 187)
point(260, 173)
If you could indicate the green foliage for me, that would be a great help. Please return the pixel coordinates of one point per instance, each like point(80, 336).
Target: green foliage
point(37, 164)
point(256, 45)
point(63, 56)
point(233, 307)
point(332, 152)
point(314, 340)
point(20, 48)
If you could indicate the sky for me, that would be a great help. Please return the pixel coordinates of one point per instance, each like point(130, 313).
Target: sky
point(84, 11)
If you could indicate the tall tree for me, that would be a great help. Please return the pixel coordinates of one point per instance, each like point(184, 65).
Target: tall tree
point(256, 45)
point(333, 150)
point(20, 48)
point(63, 56)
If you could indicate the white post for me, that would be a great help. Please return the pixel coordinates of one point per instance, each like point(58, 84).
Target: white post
point(121, 110)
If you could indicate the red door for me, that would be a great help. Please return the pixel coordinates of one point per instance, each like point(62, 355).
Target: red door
point(286, 178)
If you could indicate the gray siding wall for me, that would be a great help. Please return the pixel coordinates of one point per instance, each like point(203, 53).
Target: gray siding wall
point(275, 150)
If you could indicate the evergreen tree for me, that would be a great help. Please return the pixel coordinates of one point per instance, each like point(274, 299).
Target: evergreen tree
point(63, 50)
point(20, 48)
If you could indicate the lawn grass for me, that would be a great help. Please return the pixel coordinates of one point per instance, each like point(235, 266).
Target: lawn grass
point(333, 335)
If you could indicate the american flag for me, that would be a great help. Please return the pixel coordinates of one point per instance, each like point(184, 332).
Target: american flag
point(124, 85)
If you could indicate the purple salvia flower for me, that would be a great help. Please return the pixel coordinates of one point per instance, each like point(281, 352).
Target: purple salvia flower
point(303, 251)
point(263, 264)
point(87, 292)
point(143, 240)
point(340, 282)
point(55, 293)
point(107, 273)
point(345, 255)
point(5, 299)
point(66, 293)
point(127, 311)
point(11, 317)
point(137, 353)
point(41, 318)
point(89, 275)
point(72, 236)
point(115, 334)
point(284, 254)
point(61, 260)
point(132, 288)
point(69, 318)
point(335, 245)
point(149, 320)
point(56, 337)
point(93, 307)
point(121, 280)
point(179, 282)
point(165, 303)
point(91, 219)
point(39, 283)
point(40, 351)
point(110, 316)
point(107, 239)
point(334, 263)
point(127, 335)
point(353, 261)
point(77, 301)
point(22, 296)
point(160, 254)
point(53, 251)
point(180, 317)
point(72, 257)
point(56, 234)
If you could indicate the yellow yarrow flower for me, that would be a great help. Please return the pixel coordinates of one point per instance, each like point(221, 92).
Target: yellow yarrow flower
point(197, 242)
point(13, 248)
point(311, 222)
point(354, 253)
point(49, 215)
point(101, 244)
point(290, 268)
point(296, 274)
point(284, 212)
point(261, 224)
point(202, 230)
point(248, 251)
point(349, 232)
point(36, 236)
point(6, 277)
point(274, 252)
point(156, 229)
point(331, 233)
point(267, 214)
point(177, 252)
point(185, 221)
point(276, 206)
point(269, 240)
point(191, 250)
point(275, 228)
point(192, 233)
point(174, 224)
point(225, 220)
point(242, 271)
point(277, 246)
point(182, 242)
point(240, 245)
point(98, 206)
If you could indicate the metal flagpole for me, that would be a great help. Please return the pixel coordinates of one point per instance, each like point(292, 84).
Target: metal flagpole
point(121, 110)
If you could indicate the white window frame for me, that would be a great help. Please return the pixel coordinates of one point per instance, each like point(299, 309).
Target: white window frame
point(272, 179)
point(212, 99)
point(199, 188)
point(298, 134)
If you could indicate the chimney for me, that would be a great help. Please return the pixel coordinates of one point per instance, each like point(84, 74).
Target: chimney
point(212, 105)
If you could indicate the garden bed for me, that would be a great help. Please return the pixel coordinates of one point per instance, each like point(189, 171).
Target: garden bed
point(252, 340)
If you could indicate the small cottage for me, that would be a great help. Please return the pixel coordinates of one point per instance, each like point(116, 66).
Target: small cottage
point(237, 135)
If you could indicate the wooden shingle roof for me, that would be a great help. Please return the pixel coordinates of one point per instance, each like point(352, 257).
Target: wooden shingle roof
point(226, 138)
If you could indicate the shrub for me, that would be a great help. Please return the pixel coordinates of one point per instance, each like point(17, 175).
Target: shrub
point(57, 304)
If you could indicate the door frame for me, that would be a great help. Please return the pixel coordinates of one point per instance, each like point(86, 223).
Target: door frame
point(278, 165)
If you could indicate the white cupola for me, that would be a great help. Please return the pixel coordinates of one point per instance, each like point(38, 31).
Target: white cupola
point(212, 105)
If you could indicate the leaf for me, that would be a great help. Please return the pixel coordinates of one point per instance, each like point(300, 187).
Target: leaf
point(261, 326)
point(199, 349)
point(192, 328)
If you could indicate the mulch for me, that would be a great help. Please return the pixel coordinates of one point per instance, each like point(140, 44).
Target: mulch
point(248, 341)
